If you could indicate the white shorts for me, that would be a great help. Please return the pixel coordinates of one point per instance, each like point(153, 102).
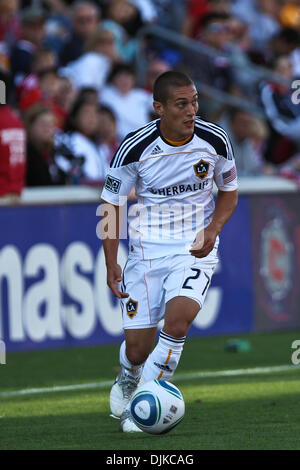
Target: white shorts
point(152, 283)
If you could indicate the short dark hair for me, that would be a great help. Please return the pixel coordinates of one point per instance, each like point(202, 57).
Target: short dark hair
point(80, 102)
point(168, 80)
point(107, 110)
point(118, 68)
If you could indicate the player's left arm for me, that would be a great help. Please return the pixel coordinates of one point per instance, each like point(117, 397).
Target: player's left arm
point(226, 203)
point(225, 176)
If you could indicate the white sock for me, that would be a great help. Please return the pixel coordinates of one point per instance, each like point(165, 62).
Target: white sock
point(162, 362)
point(131, 369)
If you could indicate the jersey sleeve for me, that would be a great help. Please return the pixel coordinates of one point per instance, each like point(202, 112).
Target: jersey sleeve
point(124, 167)
point(118, 184)
point(225, 172)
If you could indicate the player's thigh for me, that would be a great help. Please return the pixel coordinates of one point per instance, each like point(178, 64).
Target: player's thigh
point(185, 297)
point(190, 278)
point(142, 281)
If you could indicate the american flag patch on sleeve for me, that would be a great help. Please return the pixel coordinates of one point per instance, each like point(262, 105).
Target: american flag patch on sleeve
point(229, 176)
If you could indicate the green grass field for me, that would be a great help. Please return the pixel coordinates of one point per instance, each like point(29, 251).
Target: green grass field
point(257, 410)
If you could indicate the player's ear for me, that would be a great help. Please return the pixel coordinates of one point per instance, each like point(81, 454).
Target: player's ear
point(159, 108)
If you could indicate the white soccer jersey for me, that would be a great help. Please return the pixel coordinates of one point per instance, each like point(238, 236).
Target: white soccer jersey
point(173, 185)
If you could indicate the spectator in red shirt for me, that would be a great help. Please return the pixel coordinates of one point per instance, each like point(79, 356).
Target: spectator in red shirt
point(43, 60)
point(12, 149)
point(46, 93)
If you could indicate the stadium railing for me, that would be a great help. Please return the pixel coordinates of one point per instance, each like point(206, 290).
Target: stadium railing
point(183, 45)
point(86, 194)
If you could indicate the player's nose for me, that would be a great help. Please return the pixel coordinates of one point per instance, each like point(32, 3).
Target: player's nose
point(191, 110)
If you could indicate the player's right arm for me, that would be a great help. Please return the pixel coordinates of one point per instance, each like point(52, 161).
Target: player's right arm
point(110, 246)
point(120, 180)
point(121, 177)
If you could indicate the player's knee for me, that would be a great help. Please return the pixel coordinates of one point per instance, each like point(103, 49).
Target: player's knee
point(178, 328)
point(136, 354)
point(180, 313)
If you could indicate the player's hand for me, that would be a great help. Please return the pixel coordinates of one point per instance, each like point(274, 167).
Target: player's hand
point(204, 242)
point(114, 276)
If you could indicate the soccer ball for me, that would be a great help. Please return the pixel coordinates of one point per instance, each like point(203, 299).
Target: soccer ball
point(157, 407)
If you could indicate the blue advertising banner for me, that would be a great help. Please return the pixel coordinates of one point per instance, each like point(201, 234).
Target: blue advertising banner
point(229, 304)
point(53, 290)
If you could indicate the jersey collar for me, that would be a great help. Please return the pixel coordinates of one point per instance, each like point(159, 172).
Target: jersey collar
point(170, 142)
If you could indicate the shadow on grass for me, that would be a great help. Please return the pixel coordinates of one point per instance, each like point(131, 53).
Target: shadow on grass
point(263, 423)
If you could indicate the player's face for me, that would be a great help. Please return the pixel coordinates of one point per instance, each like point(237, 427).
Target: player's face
point(178, 113)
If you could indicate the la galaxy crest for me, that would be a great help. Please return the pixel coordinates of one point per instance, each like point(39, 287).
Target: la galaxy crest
point(131, 307)
point(201, 169)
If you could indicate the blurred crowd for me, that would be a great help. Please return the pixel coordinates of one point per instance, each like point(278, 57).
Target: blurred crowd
point(73, 91)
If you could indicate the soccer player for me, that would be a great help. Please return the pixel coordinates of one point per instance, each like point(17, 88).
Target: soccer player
point(172, 162)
